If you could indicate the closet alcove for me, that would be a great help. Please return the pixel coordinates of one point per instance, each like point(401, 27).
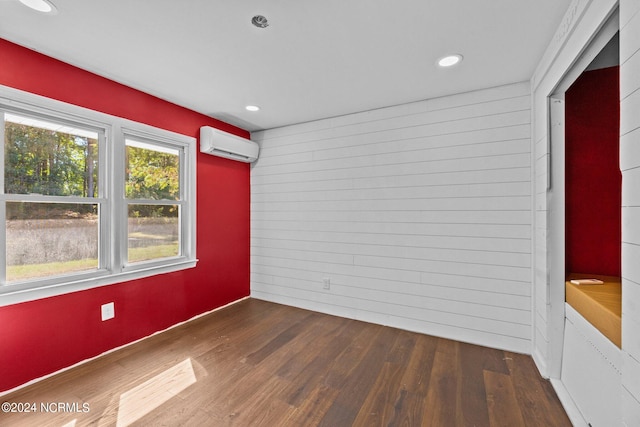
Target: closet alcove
point(593, 192)
point(589, 189)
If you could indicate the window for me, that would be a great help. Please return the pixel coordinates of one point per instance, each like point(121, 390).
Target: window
point(89, 199)
point(52, 198)
point(152, 190)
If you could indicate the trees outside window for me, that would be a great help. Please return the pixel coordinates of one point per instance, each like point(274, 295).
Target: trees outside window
point(43, 161)
point(83, 198)
point(152, 187)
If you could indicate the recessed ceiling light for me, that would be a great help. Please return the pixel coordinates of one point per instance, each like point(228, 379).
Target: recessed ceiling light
point(252, 108)
point(449, 60)
point(44, 6)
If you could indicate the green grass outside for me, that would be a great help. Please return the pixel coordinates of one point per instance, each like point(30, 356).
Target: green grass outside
point(32, 271)
point(153, 252)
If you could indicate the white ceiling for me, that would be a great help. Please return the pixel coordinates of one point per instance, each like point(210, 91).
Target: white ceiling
point(316, 59)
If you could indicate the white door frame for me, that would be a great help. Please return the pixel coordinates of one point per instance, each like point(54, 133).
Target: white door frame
point(556, 193)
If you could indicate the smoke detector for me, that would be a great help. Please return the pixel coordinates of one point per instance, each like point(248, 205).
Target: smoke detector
point(260, 21)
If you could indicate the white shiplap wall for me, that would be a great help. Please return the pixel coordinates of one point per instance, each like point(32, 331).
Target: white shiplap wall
point(630, 166)
point(419, 214)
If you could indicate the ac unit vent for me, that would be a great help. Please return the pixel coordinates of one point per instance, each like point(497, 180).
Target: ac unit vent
point(223, 144)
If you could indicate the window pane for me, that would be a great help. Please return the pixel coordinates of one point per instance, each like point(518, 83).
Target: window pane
point(48, 158)
point(154, 232)
point(152, 172)
point(50, 239)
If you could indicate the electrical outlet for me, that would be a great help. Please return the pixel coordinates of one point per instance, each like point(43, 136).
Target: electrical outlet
point(108, 311)
point(326, 283)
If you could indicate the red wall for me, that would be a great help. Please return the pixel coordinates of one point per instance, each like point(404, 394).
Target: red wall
point(593, 178)
point(43, 336)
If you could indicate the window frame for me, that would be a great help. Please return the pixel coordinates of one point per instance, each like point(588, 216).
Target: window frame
point(184, 230)
point(113, 264)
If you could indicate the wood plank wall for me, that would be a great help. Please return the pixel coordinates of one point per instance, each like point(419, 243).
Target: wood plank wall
point(630, 166)
point(418, 214)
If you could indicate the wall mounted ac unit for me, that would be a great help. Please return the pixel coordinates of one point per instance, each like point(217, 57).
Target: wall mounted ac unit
point(223, 144)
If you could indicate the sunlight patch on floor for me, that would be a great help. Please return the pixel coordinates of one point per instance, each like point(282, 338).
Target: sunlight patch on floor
point(144, 398)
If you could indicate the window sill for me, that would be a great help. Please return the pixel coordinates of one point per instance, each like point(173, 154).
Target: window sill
point(11, 294)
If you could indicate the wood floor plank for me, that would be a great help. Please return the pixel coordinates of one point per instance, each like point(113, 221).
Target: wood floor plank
point(357, 384)
point(379, 408)
point(234, 374)
point(312, 409)
point(258, 363)
point(279, 341)
point(442, 405)
point(409, 404)
point(311, 368)
point(261, 404)
point(536, 397)
point(153, 393)
point(502, 402)
point(474, 361)
point(329, 337)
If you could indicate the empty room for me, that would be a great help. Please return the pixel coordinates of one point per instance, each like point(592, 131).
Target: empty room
point(421, 213)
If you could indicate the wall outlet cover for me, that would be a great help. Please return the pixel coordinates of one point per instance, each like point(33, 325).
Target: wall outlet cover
point(108, 311)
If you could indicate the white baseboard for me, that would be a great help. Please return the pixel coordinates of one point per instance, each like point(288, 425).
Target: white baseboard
point(574, 414)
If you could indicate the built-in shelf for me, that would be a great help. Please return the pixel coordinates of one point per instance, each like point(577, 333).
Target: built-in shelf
point(600, 305)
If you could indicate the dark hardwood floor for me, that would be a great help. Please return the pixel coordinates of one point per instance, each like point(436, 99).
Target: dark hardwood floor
point(261, 364)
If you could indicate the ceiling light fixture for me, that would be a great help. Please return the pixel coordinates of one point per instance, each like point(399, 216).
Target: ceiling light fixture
point(252, 108)
point(44, 6)
point(260, 21)
point(450, 60)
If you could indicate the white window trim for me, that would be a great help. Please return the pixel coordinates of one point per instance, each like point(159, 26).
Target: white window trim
point(113, 223)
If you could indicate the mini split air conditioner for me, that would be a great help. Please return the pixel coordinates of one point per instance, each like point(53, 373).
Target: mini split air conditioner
point(223, 144)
